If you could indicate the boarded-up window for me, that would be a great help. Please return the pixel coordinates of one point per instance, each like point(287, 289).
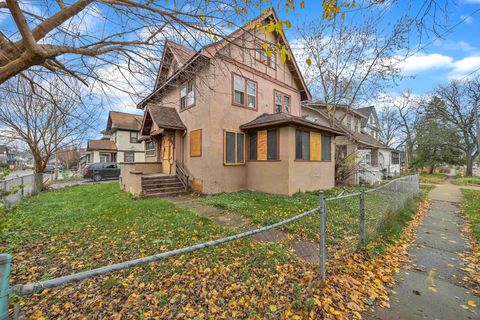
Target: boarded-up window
point(315, 146)
point(196, 143)
point(262, 145)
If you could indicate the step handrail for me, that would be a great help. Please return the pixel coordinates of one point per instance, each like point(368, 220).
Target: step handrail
point(182, 174)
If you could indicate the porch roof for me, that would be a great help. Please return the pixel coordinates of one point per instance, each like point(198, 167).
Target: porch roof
point(162, 117)
point(282, 118)
point(101, 145)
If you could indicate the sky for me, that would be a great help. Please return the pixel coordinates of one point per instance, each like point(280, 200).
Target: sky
point(454, 55)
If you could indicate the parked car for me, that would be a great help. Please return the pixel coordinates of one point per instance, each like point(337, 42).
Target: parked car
point(101, 170)
point(49, 168)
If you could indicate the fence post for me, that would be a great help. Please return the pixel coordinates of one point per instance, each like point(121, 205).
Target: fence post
point(323, 248)
point(363, 236)
point(5, 261)
point(22, 186)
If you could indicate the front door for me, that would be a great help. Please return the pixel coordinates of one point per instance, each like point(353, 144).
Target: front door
point(167, 154)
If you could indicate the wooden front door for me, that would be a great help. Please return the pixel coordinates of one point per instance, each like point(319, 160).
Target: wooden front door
point(167, 154)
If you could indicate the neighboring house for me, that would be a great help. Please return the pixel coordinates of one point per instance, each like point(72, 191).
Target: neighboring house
point(121, 142)
point(3, 154)
point(227, 118)
point(360, 155)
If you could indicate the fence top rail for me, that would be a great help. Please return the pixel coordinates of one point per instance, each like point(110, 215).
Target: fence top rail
point(390, 182)
point(30, 288)
point(19, 177)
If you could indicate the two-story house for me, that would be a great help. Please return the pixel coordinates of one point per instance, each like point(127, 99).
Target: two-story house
point(121, 141)
point(360, 155)
point(228, 117)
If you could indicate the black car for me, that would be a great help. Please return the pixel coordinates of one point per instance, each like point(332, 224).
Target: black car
point(101, 171)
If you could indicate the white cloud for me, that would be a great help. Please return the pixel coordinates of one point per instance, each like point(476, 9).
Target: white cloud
point(465, 66)
point(468, 19)
point(418, 63)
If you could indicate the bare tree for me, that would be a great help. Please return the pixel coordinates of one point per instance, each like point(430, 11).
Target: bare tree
point(46, 125)
point(389, 126)
point(459, 111)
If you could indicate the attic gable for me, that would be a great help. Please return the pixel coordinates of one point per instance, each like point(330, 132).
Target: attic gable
point(174, 57)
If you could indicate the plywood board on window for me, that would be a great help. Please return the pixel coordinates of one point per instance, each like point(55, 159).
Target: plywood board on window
point(315, 146)
point(197, 185)
point(196, 143)
point(262, 145)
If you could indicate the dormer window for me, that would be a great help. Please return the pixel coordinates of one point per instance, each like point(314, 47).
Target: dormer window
point(187, 94)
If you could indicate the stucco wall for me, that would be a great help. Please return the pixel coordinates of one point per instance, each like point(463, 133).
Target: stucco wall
point(131, 175)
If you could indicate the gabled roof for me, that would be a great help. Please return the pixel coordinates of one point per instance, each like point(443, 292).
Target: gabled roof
point(356, 136)
point(122, 120)
point(209, 51)
point(366, 112)
point(281, 119)
point(101, 145)
point(321, 104)
point(163, 117)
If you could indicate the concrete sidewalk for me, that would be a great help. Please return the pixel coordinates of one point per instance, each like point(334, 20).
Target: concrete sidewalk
point(434, 288)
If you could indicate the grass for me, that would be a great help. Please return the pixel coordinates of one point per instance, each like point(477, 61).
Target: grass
point(467, 181)
point(433, 178)
point(342, 215)
point(471, 206)
point(82, 227)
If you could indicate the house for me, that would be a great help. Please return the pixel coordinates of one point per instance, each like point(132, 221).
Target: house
point(228, 117)
point(360, 155)
point(121, 141)
point(3, 154)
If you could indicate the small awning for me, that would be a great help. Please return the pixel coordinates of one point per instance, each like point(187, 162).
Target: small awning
point(157, 119)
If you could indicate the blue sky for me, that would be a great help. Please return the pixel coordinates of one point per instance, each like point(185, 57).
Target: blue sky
point(455, 55)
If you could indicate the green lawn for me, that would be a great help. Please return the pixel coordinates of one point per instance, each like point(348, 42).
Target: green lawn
point(78, 228)
point(342, 215)
point(434, 178)
point(467, 181)
point(472, 208)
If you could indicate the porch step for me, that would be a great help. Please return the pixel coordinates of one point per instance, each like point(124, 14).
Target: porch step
point(162, 186)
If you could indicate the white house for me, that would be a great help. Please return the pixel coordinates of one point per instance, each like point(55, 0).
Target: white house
point(121, 141)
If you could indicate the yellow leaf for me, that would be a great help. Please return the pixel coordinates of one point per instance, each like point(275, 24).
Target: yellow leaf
point(309, 61)
point(471, 303)
point(273, 308)
point(432, 289)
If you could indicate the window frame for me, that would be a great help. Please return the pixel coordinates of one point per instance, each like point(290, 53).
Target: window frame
point(225, 163)
point(397, 158)
point(268, 60)
point(329, 147)
point(125, 156)
point(277, 133)
point(147, 151)
point(303, 131)
point(283, 94)
point(322, 135)
point(190, 143)
point(136, 138)
point(245, 93)
point(185, 85)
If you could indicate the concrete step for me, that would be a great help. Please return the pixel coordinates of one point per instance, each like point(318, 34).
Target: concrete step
point(164, 189)
point(161, 183)
point(164, 194)
point(165, 178)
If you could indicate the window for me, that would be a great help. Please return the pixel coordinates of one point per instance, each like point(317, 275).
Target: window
point(244, 92)
point(302, 145)
point(262, 56)
point(150, 148)
point(395, 158)
point(234, 149)
point(312, 146)
point(281, 102)
point(349, 122)
point(196, 143)
point(326, 148)
point(129, 156)
point(133, 137)
point(187, 94)
point(264, 145)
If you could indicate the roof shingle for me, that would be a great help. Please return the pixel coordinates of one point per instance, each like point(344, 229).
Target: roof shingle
point(101, 145)
point(282, 118)
point(165, 117)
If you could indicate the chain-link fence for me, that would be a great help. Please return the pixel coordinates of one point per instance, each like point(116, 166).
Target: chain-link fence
point(333, 226)
point(15, 189)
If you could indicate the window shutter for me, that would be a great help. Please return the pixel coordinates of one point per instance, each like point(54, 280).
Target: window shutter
point(196, 143)
point(262, 145)
point(315, 146)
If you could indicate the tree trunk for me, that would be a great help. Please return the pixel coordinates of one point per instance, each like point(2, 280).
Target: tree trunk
point(432, 169)
point(469, 171)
